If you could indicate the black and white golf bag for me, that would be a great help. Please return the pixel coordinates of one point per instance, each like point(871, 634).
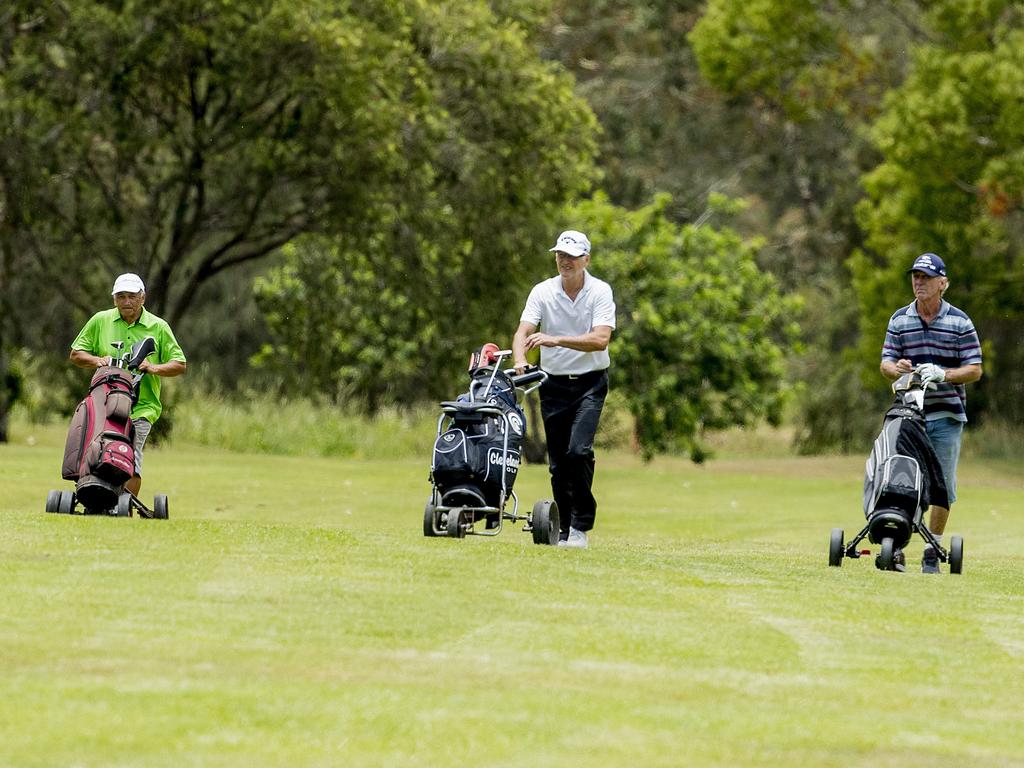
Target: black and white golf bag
point(477, 452)
point(902, 475)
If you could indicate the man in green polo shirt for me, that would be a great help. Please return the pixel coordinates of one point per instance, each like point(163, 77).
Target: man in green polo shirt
point(129, 322)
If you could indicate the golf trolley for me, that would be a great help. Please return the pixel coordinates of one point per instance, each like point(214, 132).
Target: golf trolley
point(476, 456)
point(897, 489)
point(99, 455)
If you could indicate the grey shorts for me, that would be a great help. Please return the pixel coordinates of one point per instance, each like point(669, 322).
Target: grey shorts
point(142, 428)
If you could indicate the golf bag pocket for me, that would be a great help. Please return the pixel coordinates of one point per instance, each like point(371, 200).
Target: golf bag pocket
point(900, 486)
point(78, 434)
point(455, 458)
point(111, 457)
point(119, 404)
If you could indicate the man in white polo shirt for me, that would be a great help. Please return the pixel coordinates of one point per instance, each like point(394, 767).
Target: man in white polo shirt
point(570, 317)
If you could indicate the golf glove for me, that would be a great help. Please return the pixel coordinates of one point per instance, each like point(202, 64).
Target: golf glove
point(930, 373)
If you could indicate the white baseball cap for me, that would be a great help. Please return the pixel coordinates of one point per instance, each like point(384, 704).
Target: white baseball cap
point(129, 282)
point(572, 242)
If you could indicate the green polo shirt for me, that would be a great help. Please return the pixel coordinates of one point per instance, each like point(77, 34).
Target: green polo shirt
point(107, 326)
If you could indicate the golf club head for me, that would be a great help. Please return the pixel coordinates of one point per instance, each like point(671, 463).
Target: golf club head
point(915, 397)
point(906, 382)
point(140, 351)
point(486, 355)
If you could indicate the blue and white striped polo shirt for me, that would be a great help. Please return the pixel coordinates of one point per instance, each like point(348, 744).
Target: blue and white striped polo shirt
point(949, 341)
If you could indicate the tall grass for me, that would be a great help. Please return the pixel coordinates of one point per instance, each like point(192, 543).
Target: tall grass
point(199, 412)
point(994, 440)
point(262, 423)
point(259, 422)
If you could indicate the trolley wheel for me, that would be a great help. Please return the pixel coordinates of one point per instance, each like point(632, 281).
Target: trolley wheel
point(886, 555)
point(456, 529)
point(544, 522)
point(835, 548)
point(160, 511)
point(66, 505)
point(956, 554)
point(123, 508)
point(53, 501)
point(428, 519)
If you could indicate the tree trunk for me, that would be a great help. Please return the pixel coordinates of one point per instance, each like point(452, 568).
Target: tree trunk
point(5, 390)
point(7, 383)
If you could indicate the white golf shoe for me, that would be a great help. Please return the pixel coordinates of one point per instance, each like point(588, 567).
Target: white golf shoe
point(577, 539)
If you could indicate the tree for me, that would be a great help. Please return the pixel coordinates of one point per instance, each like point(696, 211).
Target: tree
point(760, 100)
point(764, 101)
point(952, 181)
point(391, 315)
point(837, 64)
point(183, 138)
point(702, 332)
point(700, 345)
point(943, 122)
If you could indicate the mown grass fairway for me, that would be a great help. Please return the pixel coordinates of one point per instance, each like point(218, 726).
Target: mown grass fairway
point(292, 613)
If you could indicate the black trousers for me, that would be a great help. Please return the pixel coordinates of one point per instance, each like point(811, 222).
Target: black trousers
point(571, 408)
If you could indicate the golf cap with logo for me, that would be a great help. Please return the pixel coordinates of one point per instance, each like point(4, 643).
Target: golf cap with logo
point(129, 282)
point(930, 264)
point(572, 242)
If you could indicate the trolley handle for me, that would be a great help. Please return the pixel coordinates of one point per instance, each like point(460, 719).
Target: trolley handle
point(529, 376)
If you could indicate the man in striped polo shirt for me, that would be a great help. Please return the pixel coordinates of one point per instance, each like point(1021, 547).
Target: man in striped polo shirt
point(941, 339)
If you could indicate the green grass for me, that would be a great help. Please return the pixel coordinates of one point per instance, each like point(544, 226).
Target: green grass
point(291, 613)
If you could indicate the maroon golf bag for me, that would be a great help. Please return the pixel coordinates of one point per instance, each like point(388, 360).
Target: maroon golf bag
point(99, 453)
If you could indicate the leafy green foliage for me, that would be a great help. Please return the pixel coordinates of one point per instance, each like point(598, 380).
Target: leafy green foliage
point(762, 101)
point(347, 331)
point(951, 182)
point(813, 61)
point(702, 331)
point(182, 139)
point(943, 121)
point(700, 344)
point(426, 141)
point(766, 47)
point(390, 312)
point(663, 129)
point(414, 153)
point(813, 75)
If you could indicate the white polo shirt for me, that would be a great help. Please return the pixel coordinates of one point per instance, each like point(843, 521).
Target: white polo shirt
point(552, 311)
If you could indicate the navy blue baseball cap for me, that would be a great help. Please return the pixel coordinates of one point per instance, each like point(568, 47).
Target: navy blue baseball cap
point(930, 264)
